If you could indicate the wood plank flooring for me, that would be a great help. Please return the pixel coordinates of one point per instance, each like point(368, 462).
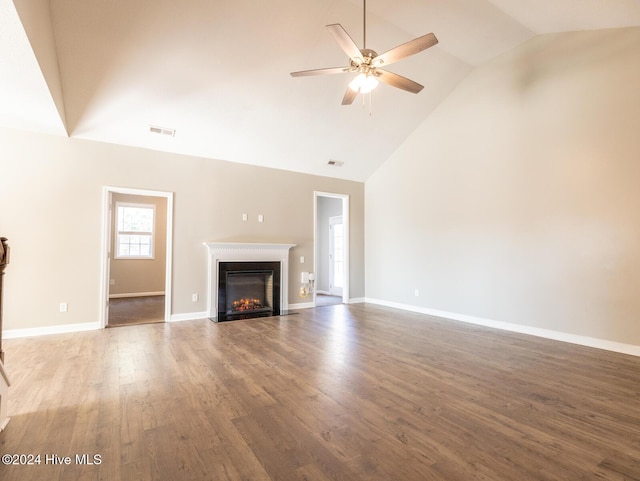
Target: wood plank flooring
point(327, 300)
point(346, 392)
point(125, 311)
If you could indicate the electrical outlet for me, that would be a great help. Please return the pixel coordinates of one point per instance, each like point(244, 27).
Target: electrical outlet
point(194, 297)
point(416, 292)
point(301, 259)
point(260, 218)
point(245, 217)
point(63, 307)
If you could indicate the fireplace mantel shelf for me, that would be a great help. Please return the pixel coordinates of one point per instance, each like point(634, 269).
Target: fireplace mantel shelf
point(245, 251)
point(246, 245)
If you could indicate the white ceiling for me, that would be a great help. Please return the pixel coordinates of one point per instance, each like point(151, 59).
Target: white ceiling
point(217, 71)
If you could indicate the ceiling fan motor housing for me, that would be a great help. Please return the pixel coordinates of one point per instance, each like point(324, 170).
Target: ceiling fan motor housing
point(365, 66)
point(368, 55)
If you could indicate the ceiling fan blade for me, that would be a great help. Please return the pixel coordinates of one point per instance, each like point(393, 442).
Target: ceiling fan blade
point(406, 49)
point(345, 42)
point(320, 71)
point(349, 96)
point(398, 81)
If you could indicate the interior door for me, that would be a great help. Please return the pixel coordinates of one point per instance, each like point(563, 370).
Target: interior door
point(336, 255)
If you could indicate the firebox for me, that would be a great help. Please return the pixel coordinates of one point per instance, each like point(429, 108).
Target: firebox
point(248, 289)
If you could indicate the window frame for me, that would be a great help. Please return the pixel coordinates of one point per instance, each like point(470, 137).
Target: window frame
point(118, 232)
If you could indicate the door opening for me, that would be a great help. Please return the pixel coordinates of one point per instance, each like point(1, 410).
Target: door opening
point(331, 248)
point(336, 255)
point(136, 256)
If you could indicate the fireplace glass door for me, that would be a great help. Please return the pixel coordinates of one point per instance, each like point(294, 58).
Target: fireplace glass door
point(249, 292)
point(248, 289)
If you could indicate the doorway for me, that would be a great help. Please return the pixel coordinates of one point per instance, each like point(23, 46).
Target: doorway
point(336, 255)
point(331, 248)
point(136, 256)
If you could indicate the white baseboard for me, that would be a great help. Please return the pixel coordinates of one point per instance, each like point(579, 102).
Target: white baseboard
point(136, 294)
point(188, 316)
point(326, 293)
point(614, 346)
point(42, 331)
point(357, 300)
point(301, 305)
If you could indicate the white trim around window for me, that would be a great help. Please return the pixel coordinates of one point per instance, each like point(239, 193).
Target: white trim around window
point(135, 230)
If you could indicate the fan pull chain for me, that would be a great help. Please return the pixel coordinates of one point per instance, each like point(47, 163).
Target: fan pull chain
point(364, 102)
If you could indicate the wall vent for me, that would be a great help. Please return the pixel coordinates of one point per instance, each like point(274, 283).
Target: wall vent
point(335, 163)
point(162, 131)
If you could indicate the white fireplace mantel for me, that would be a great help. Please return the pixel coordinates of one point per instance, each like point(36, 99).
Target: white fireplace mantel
point(241, 252)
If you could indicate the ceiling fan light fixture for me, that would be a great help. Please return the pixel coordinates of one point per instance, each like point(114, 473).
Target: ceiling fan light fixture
point(364, 83)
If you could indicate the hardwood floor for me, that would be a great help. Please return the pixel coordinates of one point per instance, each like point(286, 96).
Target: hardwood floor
point(125, 311)
point(349, 392)
point(327, 300)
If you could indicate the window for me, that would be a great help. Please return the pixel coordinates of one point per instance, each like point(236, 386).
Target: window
point(135, 230)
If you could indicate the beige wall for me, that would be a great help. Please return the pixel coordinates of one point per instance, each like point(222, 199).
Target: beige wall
point(51, 191)
point(518, 199)
point(139, 276)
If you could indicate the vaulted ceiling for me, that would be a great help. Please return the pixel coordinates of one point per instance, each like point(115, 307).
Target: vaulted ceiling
point(217, 71)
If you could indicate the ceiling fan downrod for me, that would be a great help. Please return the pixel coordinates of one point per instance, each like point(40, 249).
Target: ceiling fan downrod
point(364, 23)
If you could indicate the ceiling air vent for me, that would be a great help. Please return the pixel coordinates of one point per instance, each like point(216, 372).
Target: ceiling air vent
point(162, 131)
point(335, 163)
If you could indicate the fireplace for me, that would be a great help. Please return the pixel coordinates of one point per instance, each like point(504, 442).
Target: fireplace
point(256, 275)
point(248, 289)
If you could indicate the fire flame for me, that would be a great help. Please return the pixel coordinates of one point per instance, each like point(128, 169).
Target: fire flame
point(246, 304)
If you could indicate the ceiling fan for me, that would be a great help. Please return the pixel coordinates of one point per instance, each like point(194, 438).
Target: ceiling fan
point(368, 63)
